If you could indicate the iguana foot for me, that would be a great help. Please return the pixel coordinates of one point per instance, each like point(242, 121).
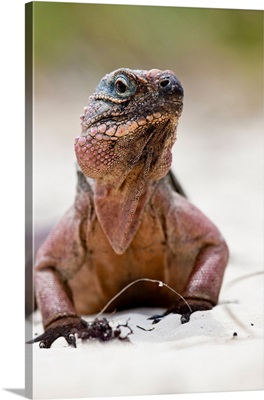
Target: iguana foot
point(98, 329)
point(67, 331)
point(184, 309)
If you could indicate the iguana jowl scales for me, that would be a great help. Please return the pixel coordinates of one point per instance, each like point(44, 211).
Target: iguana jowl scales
point(128, 220)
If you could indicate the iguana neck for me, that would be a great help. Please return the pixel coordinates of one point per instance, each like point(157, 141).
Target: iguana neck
point(128, 130)
point(119, 207)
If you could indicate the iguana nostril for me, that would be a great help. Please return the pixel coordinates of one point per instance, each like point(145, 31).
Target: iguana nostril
point(165, 82)
point(170, 85)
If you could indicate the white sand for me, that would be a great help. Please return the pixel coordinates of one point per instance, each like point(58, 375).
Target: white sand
point(201, 356)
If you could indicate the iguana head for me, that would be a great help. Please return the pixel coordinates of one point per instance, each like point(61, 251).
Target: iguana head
point(131, 119)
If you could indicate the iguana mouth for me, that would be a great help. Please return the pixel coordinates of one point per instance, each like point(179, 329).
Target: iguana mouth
point(109, 126)
point(105, 97)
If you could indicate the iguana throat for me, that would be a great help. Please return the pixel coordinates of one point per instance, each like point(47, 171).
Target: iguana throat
point(120, 210)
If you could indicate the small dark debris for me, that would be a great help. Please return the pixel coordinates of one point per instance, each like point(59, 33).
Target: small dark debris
point(252, 324)
point(101, 330)
point(144, 329)
point(235, 334)
point(117, 332)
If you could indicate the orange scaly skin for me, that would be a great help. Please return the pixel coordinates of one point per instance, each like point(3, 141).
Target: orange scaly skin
point(128, 221)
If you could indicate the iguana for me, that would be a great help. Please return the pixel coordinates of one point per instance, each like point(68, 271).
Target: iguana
point(130, 218)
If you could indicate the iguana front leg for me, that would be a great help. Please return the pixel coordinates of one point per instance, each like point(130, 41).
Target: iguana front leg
point(58, 259)
point(202, 288)
point(196, 246)
point(53, 297)
point(58, 312)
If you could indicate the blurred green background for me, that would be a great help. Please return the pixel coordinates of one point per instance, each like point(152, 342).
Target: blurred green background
point(99, 37)
point(85, 41)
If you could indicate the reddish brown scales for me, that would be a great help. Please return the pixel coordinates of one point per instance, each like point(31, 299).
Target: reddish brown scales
point(127, 221)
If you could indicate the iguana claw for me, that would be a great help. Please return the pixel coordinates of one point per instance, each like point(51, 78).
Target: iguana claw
point(67, 331)
point(185, 309)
